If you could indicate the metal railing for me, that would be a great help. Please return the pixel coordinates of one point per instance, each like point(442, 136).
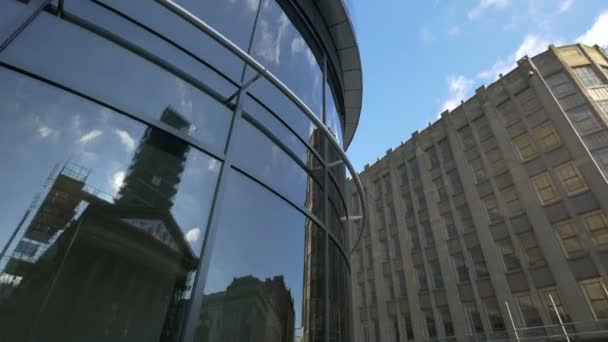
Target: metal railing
point(264, 72)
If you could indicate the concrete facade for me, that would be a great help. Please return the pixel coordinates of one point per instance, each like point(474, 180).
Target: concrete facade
point(492, 211)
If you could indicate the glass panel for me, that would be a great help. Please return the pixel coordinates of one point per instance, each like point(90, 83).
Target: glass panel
point(234, 19)
point(178, 30)
point(121, 78)
point(339, 305)
point(265, 275)
point(105, 245)
point(279, 46)
point(256, 153)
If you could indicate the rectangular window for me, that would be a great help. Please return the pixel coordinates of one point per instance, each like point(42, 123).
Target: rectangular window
point(474, 319)
point(437, 278)
point(507, 252)
point(461, 267)
point(430, 324)
point(544, 188)
point(587, 76)
point(387, 183)
point(583, 120)
point(446, 152)
point(455, 181)
point(478, 170)
point(568, 238)
point(402, 286)
point(422, 282)
point(512, 201)
point(528, 310)
point(597, 297)
point(433, 158)
point(549, 294)
point(525, 147)
point(491, 208)
point(481, 270)
point(570, 176)
point(494, 315)
point(604, 106)
point(597, 224)
point(531, 248)
point(547, 136)
point(403, 175)
point(450, 226)
point(446, 320)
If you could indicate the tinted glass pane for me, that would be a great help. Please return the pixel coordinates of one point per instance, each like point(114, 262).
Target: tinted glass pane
point(256, 153)
point(162, 20)
point(279, 46)
point(234, 19)
point(338, 296)
point(263, 283)
point(105, 224)
point(121, 78)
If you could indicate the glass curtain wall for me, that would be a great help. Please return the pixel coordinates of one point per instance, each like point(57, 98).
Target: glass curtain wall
point(157, 189)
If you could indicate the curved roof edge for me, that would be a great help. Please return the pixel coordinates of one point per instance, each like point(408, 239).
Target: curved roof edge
point(337, 29)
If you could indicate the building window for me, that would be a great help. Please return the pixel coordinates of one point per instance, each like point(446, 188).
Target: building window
point(396, 329)
point(547, 136)
point(604, 106)
point(461, 267)
point(403, 175)
point(481, 270)
point(402, 286)
point(437, 278)
point(524, 147)
point(387, 184)
point(512, 201)
point(446, 152)
point(430, 324)
point(558, 305)
point(433, 158)
point(529, 311)
point(596, 223)
point(569, 175)
point(446, 320)
point(597, 297)
point(583, 120)
point(491, 209)
point(531, 248)
point(509, 257)
point(478, 170)
point(450, 226)
point(587, 76)
point(568, 238)
point(474, 319)
point(544, 188)
point(422, 282)
point(496, 321)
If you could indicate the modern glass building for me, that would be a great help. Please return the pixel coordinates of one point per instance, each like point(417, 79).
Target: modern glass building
point(174, 171)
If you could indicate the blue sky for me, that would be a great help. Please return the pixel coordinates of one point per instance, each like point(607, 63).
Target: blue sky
point(420, 57)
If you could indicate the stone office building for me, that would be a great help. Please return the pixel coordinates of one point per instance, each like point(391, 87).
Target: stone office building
point(492, 211)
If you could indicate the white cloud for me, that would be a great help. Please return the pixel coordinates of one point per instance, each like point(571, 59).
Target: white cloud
point(125, 138)
point(565, 6)
point(598, 33)
point(459, 88)
point(530, 46)
point(483, 5)
point(90, 136)
point(117, 179)
point(193, 235)
point(454, 30)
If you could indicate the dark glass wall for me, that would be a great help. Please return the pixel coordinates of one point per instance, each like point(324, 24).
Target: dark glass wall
point(151, 192)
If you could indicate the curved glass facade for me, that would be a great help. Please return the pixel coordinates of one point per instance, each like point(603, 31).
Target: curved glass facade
point(156, 188)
